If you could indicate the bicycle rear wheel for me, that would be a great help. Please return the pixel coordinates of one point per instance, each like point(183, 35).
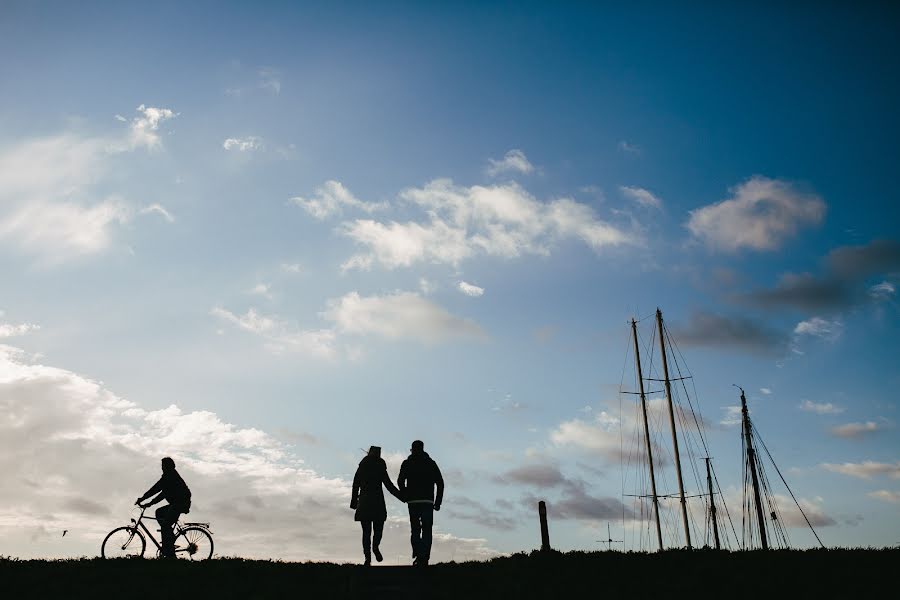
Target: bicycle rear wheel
point(124, 542)
point(194, 543)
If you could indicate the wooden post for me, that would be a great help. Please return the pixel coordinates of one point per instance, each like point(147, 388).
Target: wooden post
point(545, 533)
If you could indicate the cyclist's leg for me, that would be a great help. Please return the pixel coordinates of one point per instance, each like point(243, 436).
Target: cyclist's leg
point(167, 516)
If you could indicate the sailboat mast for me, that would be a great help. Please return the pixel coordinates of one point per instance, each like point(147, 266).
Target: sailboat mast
point(640, 376)
point(712, 506)
point(751, 461)
point(665, 363)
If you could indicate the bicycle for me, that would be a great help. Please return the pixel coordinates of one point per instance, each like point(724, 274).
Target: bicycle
point(193, 541)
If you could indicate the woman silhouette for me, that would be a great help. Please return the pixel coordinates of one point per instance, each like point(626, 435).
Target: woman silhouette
point(368, 500)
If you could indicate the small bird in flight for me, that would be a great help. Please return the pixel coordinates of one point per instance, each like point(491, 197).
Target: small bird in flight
point(65, 531)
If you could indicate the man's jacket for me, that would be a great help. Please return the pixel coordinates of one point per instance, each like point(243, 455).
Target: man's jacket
point(418, 477)
point(174, 490)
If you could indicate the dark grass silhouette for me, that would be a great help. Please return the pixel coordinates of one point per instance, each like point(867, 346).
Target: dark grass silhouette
point(848, 573)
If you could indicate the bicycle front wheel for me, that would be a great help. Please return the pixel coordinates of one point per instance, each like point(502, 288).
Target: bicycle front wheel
point(124, 542)
point(194, 543)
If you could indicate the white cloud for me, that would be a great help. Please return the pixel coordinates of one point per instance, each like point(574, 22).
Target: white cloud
point(865, 470)
point(765, 391)
point(158, 209)
point(470, 290)
point(261, 289)
point(856, 430)
point(48, 207)
point(74, 456)
point(144, 129)
point(8, 330)
point(882, 291)
point(280, 337)
point(886, 496)
point(269, 80)
point(61, 231)
point(499, 220)
point(513, 161)
point(245, 144)
point(330, 198)
point(401, 315)
point(821, 328)
point(761, 214)
point(731, 417)
point(292, 268)
point(825, 408)
point(641, 196)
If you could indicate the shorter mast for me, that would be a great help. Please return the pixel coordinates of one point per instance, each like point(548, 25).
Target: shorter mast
point(751, 464)
point(712, 505)
point(640, 376)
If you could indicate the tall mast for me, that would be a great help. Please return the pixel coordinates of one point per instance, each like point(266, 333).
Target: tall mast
point(712, 506)
point(665, 363)
point(640, 376)
point(751, 462)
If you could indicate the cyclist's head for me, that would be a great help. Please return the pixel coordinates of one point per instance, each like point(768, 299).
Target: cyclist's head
point(168, 464)
point(418, 446)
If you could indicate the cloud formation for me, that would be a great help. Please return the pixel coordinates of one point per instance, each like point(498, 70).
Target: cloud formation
point(856, 430)
point(513, 161)
point(400, 315)
point(499, 220)
point(470, 289)
point(825, 408)
point(244, 144)
point(760, 215)
point(74, 456)
point(641, 196)
point(49, 204)
point(331, 198)
point(865, 470)
point(708, 329)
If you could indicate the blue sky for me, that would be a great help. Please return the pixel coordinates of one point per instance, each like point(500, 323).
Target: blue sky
point(316, 227)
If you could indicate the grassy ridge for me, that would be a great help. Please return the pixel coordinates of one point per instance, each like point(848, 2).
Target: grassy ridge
point(848, 573)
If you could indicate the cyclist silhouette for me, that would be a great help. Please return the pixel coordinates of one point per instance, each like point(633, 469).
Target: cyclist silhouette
point(170, 487)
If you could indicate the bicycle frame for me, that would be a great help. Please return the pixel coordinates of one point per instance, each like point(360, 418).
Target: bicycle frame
point(139, 522)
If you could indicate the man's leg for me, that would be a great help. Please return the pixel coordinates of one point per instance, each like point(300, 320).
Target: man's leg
point(427, 520)
point(415, 528)
point(166, 516)
point(378, 530)
point(366, 537)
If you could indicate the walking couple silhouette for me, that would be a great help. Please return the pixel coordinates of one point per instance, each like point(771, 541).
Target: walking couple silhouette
point(419, 477)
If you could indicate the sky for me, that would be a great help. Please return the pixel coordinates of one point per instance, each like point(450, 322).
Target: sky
point(260, 238)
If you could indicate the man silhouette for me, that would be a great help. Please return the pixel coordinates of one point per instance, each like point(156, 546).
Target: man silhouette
point(419, 475)
point(170, 487)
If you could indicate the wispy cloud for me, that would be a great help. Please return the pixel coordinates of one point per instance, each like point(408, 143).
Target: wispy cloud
point(244, 144)
point(760, 215)
point(462, 222)
point(865, 470)
point(401, 315)
point(270, 80)
point(641, 196)
point(742, 333)
point(513, 161)
point(629, 148)
point(144, 129)
point(892, 496)
point(829, 330)
point(331, 198)
point(825, 408)
point(470, 289)
point(857, 430)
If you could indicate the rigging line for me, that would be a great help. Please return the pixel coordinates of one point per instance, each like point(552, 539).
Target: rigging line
point(694, 413)
point(725, 504)
point(777, 470)
point(621, 433)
